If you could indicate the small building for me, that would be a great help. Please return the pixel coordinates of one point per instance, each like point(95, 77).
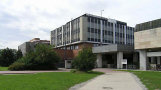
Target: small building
point(148, 44)
point(30, 45)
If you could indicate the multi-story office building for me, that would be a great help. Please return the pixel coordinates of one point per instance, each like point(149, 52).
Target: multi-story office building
point(148, 43)
point(93, 30)
point(30, 45)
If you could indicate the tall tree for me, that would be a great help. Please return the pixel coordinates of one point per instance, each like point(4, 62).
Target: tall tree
point(7, 57)
point(18, 54)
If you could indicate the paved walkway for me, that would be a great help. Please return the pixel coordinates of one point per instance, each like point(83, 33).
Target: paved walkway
point(33, 72)
point(113, 80)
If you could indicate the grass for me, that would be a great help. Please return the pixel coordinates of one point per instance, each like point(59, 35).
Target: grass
point(44, 81)
point(152, 79)
point(3, 68)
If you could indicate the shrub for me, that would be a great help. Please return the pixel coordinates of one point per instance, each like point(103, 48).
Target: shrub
point(85, 61)
point(17, 66)
point(73, 70)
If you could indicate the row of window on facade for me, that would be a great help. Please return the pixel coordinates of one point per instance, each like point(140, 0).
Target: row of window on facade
point(105, 32)
point(105, 22)
point(72, 47)
point(108, 41)
point(59, 41)
point(109, 29)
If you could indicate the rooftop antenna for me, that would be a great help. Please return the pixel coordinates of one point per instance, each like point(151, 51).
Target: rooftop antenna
point(101, 29)
point(101, 13)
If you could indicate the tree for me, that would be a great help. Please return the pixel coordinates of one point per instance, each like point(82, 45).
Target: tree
point(18, 54)
point(7, 57)
point(45, 58)
point(85, 61)
point(42, 58)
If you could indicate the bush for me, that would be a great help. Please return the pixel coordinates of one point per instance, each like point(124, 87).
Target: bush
point(73, 70)
point(17, 66)
point(42, 58)
point(85, 61)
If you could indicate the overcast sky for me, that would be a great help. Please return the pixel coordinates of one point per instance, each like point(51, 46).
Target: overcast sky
point(22, 20)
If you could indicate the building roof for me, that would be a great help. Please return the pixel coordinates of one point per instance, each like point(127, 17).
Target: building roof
point(38, 40)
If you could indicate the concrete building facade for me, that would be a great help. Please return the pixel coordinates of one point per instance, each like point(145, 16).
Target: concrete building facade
point(92, 29)
point(30, 45)
point(98, 32)
point(148, 44)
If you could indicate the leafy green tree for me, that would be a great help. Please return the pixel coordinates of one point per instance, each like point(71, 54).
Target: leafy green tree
point(42, 58)
point(7, 57)
point(18, 54)
point(45, 58)
point(85, 61)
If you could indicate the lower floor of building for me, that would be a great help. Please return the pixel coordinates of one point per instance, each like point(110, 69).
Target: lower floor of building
point(118, 56)
point(150, 60)
point(120, 60)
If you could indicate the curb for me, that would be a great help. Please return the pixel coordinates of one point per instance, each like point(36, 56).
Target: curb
point(138, 81)
point(77, 86)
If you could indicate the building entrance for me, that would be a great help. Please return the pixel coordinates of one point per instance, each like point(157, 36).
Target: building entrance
point(109, 60)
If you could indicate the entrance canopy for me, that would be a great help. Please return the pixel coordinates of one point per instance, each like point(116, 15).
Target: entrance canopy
point(153, 54)
point(112, 48)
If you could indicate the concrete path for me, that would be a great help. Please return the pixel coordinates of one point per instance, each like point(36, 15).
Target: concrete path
point(113, 80)
point(33, 72)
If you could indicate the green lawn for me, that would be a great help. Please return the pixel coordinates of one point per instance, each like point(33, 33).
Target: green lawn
point(3, 68)
point(152, 79)
point(44, 81)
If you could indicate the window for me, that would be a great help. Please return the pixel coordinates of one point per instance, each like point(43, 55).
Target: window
point(76, 47)
point(92, 39)
point(88, 19)
point(92, 19)
point(92, 30)
point(99, 31)
point(89, 39)
point(88, 29)
point(98, 21)
point(108, 23)
point(95, 30)
point(95, 20)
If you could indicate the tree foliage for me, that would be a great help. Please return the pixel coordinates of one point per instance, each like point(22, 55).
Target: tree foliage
point(18, 54)
point(7, 56)
point(85, 61)
point(42, 58)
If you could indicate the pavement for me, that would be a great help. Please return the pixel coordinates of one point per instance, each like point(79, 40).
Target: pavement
point(112, 80)
point(34, 72)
